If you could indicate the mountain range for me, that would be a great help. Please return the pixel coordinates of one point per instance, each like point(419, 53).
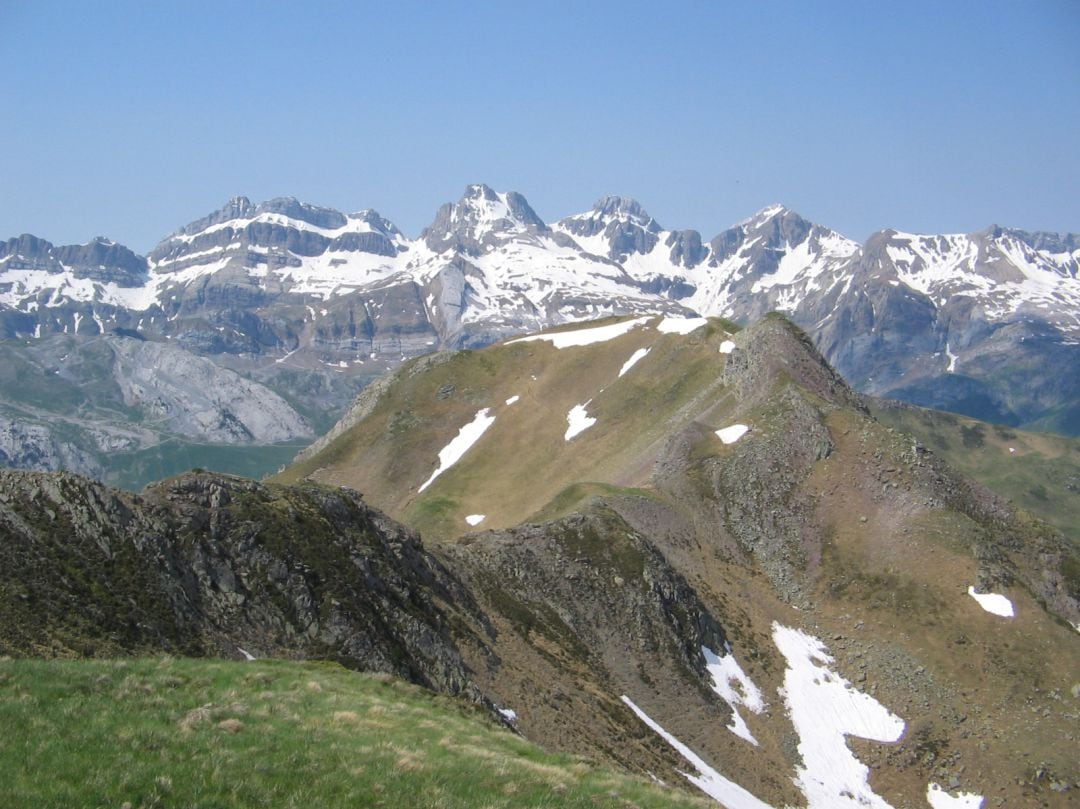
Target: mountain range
point(309, 304)
point(670, 544)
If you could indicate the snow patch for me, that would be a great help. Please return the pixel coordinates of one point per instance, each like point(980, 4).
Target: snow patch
point(511, 400)
point(729, 435)
point(825, 708)
point(475, 519)
point(727, 347)
point(735, 688)
point(584, 337)
point(466, 437)
point(578, 421)
point(247, 655)
point(938, 798)
point(680, 325)
point(634, 359)
point(708, 780)
point(508, 714)
point(993, 602)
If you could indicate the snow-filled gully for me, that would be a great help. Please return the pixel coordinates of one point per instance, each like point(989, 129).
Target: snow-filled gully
point(825, 709)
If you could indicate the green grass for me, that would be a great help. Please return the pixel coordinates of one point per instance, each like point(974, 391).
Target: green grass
point(194, 733)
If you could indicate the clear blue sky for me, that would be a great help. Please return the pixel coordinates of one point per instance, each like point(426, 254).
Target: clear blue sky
point(129, 119)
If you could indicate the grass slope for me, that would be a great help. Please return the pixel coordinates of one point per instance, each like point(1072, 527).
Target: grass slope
point(523, 461)
point(174, 733)
point(1039, 472)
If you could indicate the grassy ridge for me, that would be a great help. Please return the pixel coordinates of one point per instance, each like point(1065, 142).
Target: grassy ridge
point(523, 461)
point(184, 733)
point(1039, 472)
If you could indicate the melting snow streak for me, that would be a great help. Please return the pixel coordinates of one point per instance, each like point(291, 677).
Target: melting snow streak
point(578, 421)
point(630, 363)
point(992, 602)
point(709, 780)
point(466, 437)
point(475, 519)
point(824, 709)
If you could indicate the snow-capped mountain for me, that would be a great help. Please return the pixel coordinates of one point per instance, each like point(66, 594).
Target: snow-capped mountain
point(966, 322)
point(986, 324)
point(773, 260)
point(493, 268)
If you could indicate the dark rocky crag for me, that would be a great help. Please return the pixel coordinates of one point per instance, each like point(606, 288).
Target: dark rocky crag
point(209, 565)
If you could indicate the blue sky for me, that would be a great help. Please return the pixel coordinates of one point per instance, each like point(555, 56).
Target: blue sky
point(129, 119)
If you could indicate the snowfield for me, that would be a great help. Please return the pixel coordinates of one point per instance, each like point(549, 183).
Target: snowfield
point(825, 709)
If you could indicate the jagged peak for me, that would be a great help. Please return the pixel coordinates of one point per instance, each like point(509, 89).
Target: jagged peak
point(480, 211)
point(611, 208)
point(496, 206)
point(619, 206)
point(775, 210)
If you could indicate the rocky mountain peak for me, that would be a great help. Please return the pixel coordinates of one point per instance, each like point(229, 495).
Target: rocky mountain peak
point(616, 227)
point(376, 221)
point(617, 207)
point(480, 217)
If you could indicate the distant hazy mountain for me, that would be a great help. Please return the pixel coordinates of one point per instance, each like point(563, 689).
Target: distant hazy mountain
point(986, 324)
